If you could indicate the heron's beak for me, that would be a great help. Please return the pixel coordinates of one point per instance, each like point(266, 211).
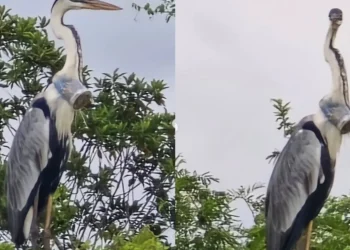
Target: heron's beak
point(99, 5)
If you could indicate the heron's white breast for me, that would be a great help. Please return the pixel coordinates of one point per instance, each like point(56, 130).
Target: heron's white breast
point(334, 140)
point(330, 133)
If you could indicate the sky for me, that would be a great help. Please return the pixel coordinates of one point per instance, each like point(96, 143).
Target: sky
point(232, 57)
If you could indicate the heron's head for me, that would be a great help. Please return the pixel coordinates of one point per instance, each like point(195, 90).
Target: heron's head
point(336, 17)
point(73, 91)
point(65, 5)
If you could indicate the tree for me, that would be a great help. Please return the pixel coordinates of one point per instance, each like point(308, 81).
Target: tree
point(122, 146)
point(166, 7)
point(204, 217)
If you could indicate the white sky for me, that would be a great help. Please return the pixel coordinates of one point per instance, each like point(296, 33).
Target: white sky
point(232, 57)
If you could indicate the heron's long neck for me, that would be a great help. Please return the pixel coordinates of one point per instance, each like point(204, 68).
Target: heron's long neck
point(61, 110)
point(329, 132)
point(336, 62)
point(67, 33)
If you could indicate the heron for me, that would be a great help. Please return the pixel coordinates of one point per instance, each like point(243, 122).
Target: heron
point(43, 141)
point(303, 175)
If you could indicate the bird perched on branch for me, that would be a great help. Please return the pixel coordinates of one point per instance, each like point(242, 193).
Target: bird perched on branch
point(43, 141)
point(304, 172)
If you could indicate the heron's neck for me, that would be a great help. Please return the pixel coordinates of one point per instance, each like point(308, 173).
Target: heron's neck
point(336, 63)
point(67, 33)
point(330, 133)
point(60, 110)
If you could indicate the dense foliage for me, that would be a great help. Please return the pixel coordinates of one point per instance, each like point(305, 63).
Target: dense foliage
point(204, 218)
point(120, 177)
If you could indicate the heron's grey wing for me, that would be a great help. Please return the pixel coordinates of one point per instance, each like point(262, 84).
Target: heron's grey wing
point(28, 156)
point(294, 178)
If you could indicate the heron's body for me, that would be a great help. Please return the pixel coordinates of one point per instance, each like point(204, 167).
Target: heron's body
point(59, 148)
point(303, 193)
point(43, 141)
point(304, 172)
point(37, 141)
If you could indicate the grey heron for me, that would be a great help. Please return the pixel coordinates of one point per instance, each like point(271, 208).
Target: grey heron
point(304, 171)
point(43, 141)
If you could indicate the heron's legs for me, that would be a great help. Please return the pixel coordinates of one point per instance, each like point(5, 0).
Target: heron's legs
point(34, 228)
point(308, 236)
point(47, 233)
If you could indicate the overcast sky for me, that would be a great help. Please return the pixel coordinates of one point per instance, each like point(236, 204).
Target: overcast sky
point(232, 57)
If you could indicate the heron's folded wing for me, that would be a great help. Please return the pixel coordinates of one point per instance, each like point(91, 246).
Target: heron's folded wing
point(294, 178)
point(27, 157)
